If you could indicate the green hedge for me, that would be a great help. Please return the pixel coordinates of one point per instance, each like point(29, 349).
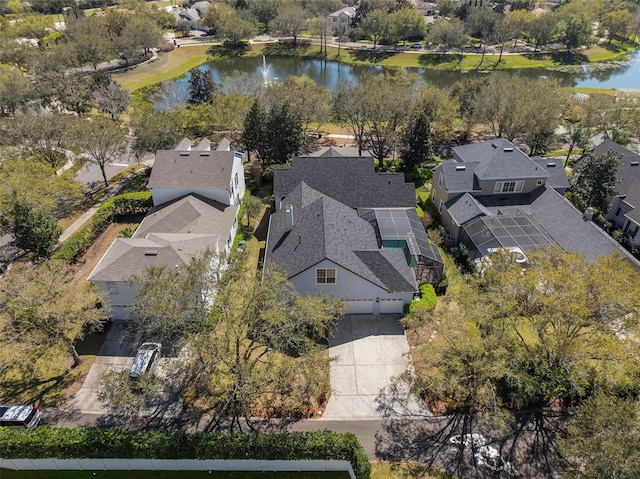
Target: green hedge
point(119, 206)
point(427, 301)
point(95, 443)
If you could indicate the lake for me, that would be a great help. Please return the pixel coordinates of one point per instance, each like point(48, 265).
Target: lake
point(330, 74)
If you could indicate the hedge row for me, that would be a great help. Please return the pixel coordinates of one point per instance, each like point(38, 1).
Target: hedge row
point(427, 301)
point(116, 207)
point(95, 443)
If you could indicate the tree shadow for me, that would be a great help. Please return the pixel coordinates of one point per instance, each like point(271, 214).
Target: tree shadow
point(221, 51)
point(568, 58)
point(435, 59)
point(459, 444)
point(372, 56)
point(30, 390)
point(613, 47)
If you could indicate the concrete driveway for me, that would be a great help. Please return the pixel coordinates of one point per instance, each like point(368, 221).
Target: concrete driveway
point(369, 352)
point(113, 355)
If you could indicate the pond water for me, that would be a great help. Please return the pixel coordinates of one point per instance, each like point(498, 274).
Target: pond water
point(330, 74)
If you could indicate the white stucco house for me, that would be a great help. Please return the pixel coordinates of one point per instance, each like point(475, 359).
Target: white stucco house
point(344, 230)
point(196, 195)
point(342, 20)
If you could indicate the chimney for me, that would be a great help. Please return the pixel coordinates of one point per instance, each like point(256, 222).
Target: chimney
point(288, 214)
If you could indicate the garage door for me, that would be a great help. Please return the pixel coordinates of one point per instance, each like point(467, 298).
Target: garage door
point(360, 306)
point(390, 306)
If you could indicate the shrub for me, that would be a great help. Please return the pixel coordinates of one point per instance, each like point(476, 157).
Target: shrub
point(441, 287)
point(73, 248)
point(91, 442)
point(427, 301)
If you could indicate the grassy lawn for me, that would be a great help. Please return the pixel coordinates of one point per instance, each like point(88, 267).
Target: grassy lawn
point(392, 470)
point(8, 474)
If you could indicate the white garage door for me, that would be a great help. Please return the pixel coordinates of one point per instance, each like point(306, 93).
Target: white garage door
point(390, 306)
point(360, 306)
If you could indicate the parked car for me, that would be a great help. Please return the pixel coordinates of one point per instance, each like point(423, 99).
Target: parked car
point(416, 46)
point(19, 417)
point(146, 359)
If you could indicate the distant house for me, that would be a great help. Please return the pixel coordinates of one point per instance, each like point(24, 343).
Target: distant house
point(428, 9)
point(192, 16)
point(342, 229)
point(492, 195)
point(625, 205)
point(184, 222)
point(342, 20)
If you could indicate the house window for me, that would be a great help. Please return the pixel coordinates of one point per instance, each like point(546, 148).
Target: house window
point(440, 207)
point(618, 211)
point(508, 186)
point(433, 196)
point(113, 287)
point(325, 276)
point(539, 182)
point(440, 180)
point(236, 178)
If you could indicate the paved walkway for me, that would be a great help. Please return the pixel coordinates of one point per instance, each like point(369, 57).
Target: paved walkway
point(370, 352)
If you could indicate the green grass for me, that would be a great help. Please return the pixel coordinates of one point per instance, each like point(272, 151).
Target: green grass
point(8, 474)
point(392, 470)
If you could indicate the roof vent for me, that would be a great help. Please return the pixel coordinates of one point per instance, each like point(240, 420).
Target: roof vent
point(288, 214)
point(461, 167)
point(635, 163)
point(204, 153)
point(184, 153)
point(151, 252)
point(508, 148)
point(551, 165)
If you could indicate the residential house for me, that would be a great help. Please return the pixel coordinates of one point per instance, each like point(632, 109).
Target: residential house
point(342, 20)
point(428, 9)
point(343, 229)
point(184, 222)
point(624, 212)
point(190, 15)
point(492, 195)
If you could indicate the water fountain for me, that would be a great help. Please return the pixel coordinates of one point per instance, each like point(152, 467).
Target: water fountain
point(265, 71)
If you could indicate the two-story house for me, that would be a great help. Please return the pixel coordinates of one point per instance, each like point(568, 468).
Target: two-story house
point(342, 20)
point(343, 229)
point(492, 195)
point(625, 205)
point(196, 194)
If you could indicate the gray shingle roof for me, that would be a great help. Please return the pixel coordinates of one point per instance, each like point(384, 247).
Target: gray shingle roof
point(191, 169)
point(560, 220)
point(190, 214)
point(327, 229)
point(633, 199)
point(498, 159)
point(464, 208)
point(557, 174)
point(174, 232)
point(627, 171)
point(349, 180)
point(459, 177)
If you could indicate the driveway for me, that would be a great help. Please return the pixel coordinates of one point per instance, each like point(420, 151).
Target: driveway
point(369, 352)
point(112, 355)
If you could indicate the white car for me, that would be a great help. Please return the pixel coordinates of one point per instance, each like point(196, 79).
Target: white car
point(146, 359)
point(19, 417)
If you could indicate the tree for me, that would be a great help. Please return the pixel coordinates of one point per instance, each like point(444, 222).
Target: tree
point(173, 303)
point(541, 29)
point(112, 99)
point(407, 23)
point(253, 132)
point(504, 30)
point(617, 24)
point(265, 11)
point(154, 130)
point(140, 33)
point(603, 439)
point(34, 230)
point(41, 308)
point(480, 23)
point(89, 45)
point(263, 350)
point(376, 26)
point(33, 183)
point(442, 112)
point(14, 90)
point(594, 179)
point(202, 86)
point(574, 30)
point(253, 207)
point(576, 137)
point(291, 19)
point(283, 136)
point(101, 139)
point(43, 135)
point(416, 146)
point(449, 34)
